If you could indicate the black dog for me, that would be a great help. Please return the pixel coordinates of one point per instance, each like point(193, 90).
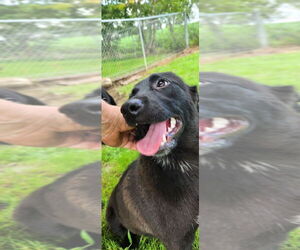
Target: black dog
point(70, 204)
point(249, 163)
point(158, 194)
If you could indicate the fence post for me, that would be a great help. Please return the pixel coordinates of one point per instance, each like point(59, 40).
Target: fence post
point(261, 31)
point(186, 31)
point(143, 45)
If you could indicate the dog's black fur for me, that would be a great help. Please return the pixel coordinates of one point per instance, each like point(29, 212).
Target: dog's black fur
point(250, 181)
point(158, 195)
point(66, 206)
point(88, 111)
point(70, 204)
point(14, 96)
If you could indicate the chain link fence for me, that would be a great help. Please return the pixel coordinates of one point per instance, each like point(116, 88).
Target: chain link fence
point(237, 32)
point(132, 44)
point(49, 47)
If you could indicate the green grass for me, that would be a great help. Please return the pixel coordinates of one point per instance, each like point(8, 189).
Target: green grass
point(77, 91)
point(186, 67)
point(111, 68)
point(274, 69)
point(115, 160)
point(48, 68)
point(241, 36)
point(75, 42)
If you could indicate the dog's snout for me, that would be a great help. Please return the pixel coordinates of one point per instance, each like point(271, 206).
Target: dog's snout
point(133, 107)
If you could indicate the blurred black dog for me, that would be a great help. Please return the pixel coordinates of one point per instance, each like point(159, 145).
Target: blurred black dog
point(64, 208)
point(14, 96)
point(249, 163)
point(87, 111)
point(158, 194)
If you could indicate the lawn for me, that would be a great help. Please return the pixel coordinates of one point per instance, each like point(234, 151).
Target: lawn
point(240, 36)
point(120, 67)
point(49, 68)
point(274, 69)
point(186, 67)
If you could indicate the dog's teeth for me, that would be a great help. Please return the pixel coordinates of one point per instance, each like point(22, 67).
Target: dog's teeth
point(164, 139)
point(173, 123)
point(208, 129)
point(220, 123)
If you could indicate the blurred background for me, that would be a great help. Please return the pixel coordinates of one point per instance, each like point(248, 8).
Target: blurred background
point(256, 39)
point(49, 50)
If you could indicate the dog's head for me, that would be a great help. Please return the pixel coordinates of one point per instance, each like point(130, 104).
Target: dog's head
point(236, 112)
point(163, 110)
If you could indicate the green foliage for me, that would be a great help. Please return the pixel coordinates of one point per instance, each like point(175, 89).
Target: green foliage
point(56, 9)
point(112, 9)
point(87, 238)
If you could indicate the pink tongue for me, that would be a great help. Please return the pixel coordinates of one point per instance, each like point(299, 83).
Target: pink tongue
point(150, 144)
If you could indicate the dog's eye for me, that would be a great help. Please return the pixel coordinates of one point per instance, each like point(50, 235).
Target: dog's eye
point(161, 84)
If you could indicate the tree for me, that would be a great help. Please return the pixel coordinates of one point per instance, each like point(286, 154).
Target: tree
point(55, 9)
point(112, 9)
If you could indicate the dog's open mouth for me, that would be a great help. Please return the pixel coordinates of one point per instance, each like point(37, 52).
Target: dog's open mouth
point(212, 130)
point(158, 136)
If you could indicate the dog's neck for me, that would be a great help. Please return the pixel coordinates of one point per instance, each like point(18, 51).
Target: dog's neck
point(174, 176)
point(175, 163)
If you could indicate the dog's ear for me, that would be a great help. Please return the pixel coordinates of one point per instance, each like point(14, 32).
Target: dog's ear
point(194, 94)
point(107, 97)
point(286, 94)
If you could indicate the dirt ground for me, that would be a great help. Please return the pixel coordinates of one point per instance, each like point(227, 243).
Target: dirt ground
point(45, 94)
point(210, 58)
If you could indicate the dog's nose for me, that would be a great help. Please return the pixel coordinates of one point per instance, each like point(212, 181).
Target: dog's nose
point(133, 107)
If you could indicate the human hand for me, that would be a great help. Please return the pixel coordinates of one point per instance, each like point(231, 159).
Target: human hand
point(114, 129)
point(43, 126)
